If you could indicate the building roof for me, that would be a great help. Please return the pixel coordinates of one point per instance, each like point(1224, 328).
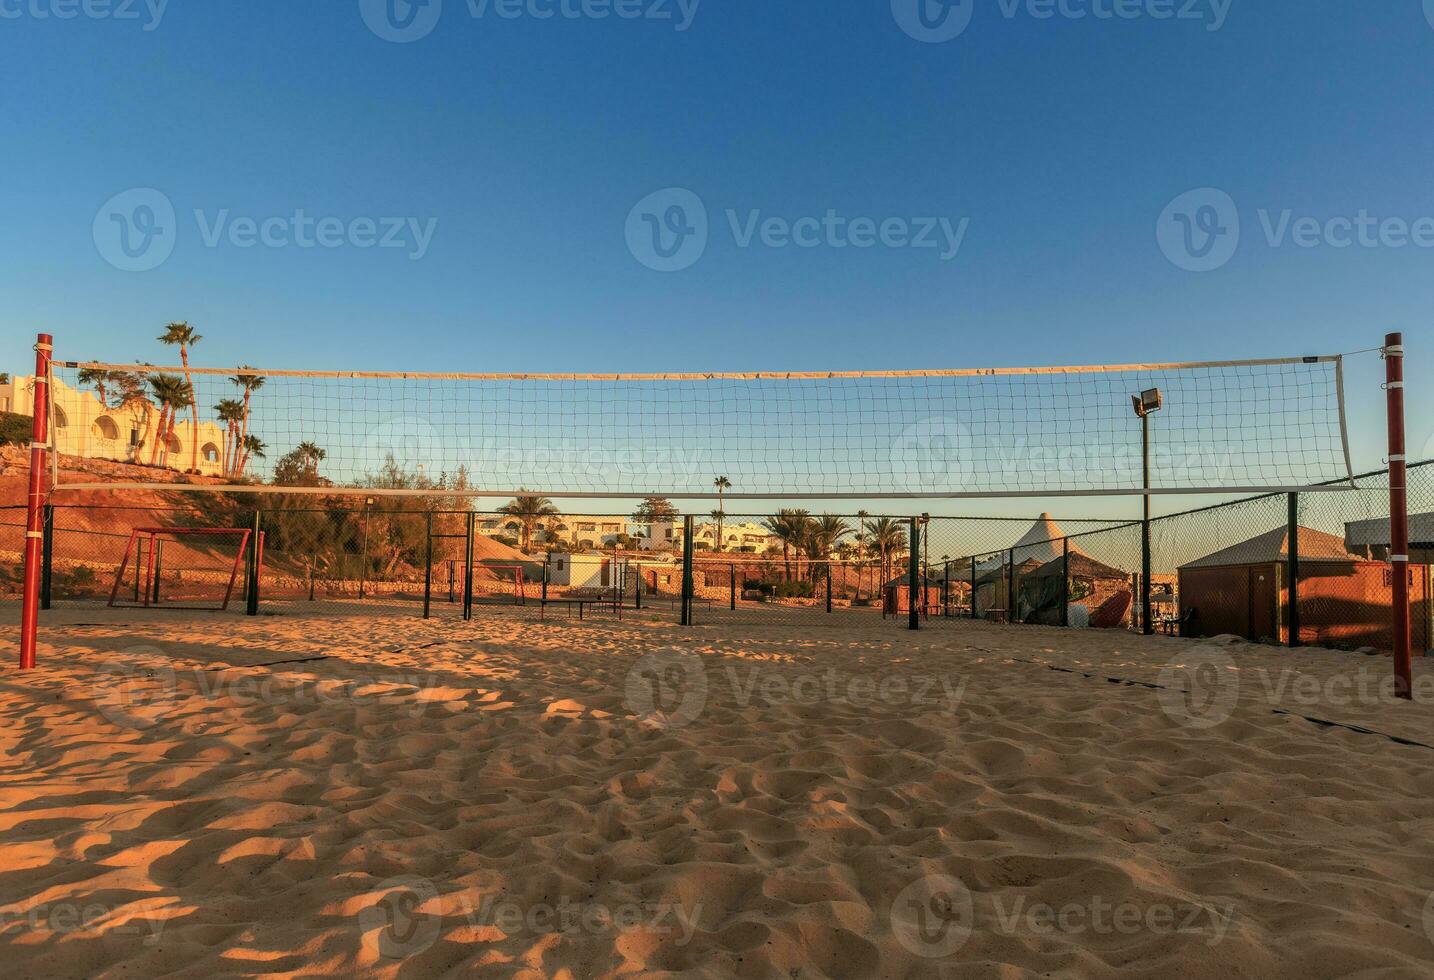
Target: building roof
point(1041, 543)
point(1274, 546)
point(1363, 534)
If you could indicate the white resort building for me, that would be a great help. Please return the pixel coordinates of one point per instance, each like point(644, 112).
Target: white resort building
point(86, 427)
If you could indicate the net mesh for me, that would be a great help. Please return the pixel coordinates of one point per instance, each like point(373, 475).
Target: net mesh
point(1223, 426)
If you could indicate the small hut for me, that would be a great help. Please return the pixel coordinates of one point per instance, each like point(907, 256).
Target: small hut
point(1344, 600)
point(896, 596)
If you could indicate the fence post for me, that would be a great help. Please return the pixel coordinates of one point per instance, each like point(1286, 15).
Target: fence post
point(251, 596)
point(428, 564)
point(38, 494)
point(1147, 626)
point(1065, 581)
point(468, 567)
point(974, 565)
point(158, 570)
point(1398, 515)
point(946, 592)
point(829, 586)
point(1292, 570)
point(687, 583)
point(47, 556)
point(547, 560)
point(913, 618)
point(732, 587)
point(1011, 587)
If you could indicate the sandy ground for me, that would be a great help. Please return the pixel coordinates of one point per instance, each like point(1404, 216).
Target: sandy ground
point(201, 796)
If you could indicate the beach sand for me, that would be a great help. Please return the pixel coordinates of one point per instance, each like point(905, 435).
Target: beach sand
point(196, 796)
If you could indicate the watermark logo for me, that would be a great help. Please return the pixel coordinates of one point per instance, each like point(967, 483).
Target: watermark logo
point(1200, 689)
point(1199, 231)
point(410, 441)
point(138, 689)
point(151, 12)
point(400, 927)
point(667, 230)
point(933, 916)
point(931, 451)
point(667, 687)
point(135, 230)
point(401, 21)
point(933, 21)
point(1429, 12)
point(1102, 917)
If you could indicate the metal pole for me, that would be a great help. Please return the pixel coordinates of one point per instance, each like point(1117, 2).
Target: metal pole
point(158, 569)
point(1398, 515)
point(1011, 587)
point(251, 605)
point(913, 611)
point(139, 563)
point(1147, 626)
point(1065, 581)
point(687, 582)
point(363, 566)
point(732, 586)
point(428, 565)
point(47, 556)
point(547, 560)
point(829, 586)
point(946, 592)
point(1292, 570)
point(468, 569)
point(973, 586)
point(35, 502)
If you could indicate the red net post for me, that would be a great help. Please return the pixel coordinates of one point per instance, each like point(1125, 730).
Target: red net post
point(1398, 515)
point(35, 506)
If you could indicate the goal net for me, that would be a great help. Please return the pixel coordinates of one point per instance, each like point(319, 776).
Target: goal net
point(180, 568)
point(1222, 426)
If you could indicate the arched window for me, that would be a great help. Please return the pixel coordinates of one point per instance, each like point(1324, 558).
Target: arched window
point(171, 444)
point(61, 419)
point(105, 429)
point(210, 452)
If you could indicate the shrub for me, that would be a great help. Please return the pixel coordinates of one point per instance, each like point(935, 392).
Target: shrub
point(14, 429)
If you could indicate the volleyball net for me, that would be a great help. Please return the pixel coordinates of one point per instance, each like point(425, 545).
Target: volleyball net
point(1219, 426)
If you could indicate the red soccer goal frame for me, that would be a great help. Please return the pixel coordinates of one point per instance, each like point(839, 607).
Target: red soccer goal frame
point(152, 534)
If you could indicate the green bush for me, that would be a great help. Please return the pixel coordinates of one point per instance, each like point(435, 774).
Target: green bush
point(794, 590)
point(14, 429)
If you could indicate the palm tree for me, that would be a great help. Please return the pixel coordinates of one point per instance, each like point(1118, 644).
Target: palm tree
point(183, 335)
point(312, 456)
point(888, 537)
point(826, 533)
point(230, 411)
point(722, 484)
point(717, 516)
point(529, 509)
point(173, 394)
point(862, 530)
point(101, 379)
point(249, 383)
point(253, 448)
point(790, 528)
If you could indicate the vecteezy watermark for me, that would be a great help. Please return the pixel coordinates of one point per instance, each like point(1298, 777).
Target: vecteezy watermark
point(397, 921)
point(919, 691)
point(137, 230)
point(1200, 230)
point(62, 919)
point(1102, 917)
point(408, 917)
point(1200, 688)
point(936, 21)
point(933, 916)
point(406, 21)
point(148, 12)
point(667, 688)
point(668, 231)
point(932, 452)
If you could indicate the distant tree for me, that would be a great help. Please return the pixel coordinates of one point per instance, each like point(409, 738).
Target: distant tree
point(230, 411)
point(247, 383)
point(101, 379)
point(529, 509)
point(253, 448)
point(655, 510)
point(790, 528)
point(888, 537)
point(299, 467)
point(172, 393)
point(183, 336)
point(722, 484)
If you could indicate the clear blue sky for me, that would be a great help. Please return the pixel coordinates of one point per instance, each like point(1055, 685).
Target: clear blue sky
point(530, 140)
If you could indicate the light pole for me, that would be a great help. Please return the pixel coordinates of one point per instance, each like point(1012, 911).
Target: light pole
point(1147, 403)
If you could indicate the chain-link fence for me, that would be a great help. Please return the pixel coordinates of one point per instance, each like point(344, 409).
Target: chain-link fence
point(1224, 569)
